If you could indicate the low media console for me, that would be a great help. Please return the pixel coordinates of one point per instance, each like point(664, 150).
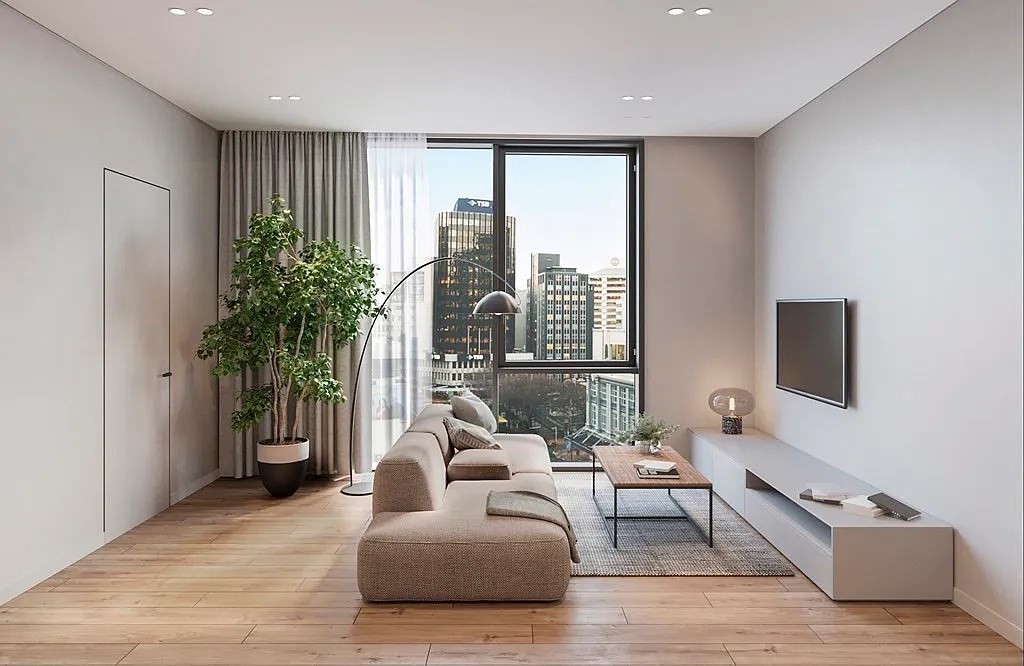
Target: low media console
point(850, 557)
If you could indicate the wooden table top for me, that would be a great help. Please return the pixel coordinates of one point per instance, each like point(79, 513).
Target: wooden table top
point(617, 462)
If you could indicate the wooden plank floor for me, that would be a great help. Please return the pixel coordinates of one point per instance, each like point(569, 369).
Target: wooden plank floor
point(229, 576)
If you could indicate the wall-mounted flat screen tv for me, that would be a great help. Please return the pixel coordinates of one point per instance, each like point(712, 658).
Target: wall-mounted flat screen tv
point(811, 349)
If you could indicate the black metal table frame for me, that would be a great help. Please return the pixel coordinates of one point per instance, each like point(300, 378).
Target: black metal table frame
point(613, 532)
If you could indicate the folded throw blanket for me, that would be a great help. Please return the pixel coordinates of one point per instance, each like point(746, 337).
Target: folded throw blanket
point(528, 504)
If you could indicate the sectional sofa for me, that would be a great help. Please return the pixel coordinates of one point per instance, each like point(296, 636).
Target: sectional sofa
point(430, 538)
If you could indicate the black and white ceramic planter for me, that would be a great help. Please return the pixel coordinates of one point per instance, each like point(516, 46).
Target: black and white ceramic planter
point(282, 466)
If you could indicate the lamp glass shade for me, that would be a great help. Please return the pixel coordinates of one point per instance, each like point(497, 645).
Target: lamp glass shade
point(731, 402)
point(497, 303)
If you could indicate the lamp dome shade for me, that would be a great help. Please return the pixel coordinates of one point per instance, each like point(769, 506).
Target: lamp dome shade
point(731, 402)
point(497, 303)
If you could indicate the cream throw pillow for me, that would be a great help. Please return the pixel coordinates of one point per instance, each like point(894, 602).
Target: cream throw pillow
point(468, 407)
point(464, 435)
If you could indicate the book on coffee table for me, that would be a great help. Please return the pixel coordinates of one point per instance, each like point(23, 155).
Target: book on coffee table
point(655, 465)
point(647, 473)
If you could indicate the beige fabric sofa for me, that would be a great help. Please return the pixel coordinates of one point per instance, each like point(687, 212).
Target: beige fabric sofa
point(431, 539)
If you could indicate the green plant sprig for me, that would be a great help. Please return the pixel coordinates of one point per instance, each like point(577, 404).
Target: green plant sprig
point(646, 428)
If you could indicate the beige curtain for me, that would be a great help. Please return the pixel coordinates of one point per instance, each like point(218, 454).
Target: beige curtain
point(323, 176)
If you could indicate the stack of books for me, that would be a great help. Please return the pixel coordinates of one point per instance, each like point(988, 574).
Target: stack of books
point(656, 469)
point(862, 506)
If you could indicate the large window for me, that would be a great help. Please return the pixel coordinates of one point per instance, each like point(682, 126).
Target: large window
point(560, 221)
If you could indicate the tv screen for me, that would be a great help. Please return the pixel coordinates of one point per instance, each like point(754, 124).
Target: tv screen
point(811, 349)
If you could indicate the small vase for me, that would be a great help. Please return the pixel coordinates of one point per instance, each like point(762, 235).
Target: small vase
point(654, 446)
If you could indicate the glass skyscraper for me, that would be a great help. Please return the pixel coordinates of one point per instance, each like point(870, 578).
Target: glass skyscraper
point(467, 232)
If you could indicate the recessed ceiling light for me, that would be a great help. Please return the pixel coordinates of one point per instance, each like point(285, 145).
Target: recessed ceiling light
point(294, 98)
point(628, 98)
point(177, 11)
point(676, 11)
point(276, 98)
point(703, 11)
point(203, 11)
point(647, 98)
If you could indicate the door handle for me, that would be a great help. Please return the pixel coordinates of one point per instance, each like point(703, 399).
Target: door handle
point(167, 374)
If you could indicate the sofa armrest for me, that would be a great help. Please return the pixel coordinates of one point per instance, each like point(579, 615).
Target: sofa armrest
point(410, 476)
point(480, 465)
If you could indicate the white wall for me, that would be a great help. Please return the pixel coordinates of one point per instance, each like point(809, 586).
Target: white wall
point(699, 252)
point(900, 189)
point(64, 117)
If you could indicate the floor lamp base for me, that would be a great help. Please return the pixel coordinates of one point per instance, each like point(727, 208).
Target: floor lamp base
point(358, 489)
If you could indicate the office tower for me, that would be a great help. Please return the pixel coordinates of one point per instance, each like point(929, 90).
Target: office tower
point(609, 335)
point(611, 403)
point(467, 232)
point(564, 315)
point(539, 262)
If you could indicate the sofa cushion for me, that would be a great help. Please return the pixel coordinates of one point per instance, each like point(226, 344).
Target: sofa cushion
point(479, 465)
point(464, 493)
point(527, 453)
point(470, 408)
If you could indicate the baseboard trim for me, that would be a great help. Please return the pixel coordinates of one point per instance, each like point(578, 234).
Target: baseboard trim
point(986, 615)
point(195, 486)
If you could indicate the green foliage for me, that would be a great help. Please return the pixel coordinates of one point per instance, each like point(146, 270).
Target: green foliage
point(288, 309)
point(646, 428)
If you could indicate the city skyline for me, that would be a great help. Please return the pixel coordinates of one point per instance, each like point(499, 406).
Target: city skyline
point(571, 205)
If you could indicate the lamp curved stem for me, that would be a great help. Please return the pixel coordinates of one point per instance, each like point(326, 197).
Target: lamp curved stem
point(366, 487)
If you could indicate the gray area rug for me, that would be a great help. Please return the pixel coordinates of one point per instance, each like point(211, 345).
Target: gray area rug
point(661, 547)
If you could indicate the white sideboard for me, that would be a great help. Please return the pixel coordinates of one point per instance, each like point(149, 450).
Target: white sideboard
point(850, 557)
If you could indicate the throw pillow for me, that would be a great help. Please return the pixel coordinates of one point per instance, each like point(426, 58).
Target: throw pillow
point(464, 435)
point(468, 407)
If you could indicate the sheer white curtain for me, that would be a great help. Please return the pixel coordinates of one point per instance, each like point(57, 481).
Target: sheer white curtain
point(402, 239)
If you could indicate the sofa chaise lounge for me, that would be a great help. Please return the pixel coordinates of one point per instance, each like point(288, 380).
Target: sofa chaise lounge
point(431, 539)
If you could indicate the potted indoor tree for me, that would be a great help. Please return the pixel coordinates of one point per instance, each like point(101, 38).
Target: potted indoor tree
point(647, 431)
point(289, 307)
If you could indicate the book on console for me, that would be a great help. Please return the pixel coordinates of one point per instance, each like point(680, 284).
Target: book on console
point(809, 496)
point(829, 491)
point(825, 492)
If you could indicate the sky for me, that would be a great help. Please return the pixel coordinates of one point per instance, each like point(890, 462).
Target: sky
point(572, 205)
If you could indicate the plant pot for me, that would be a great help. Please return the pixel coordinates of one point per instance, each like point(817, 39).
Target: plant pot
point(282, 467)
point(652, 445)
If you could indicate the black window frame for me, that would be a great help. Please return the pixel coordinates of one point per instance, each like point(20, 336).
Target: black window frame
point(633, 150)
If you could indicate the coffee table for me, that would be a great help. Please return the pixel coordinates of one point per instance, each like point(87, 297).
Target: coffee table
point(618, 463)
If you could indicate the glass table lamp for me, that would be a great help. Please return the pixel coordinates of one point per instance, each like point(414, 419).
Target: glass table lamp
point(732, 404)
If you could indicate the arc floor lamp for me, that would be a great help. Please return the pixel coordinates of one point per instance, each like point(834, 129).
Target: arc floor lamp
point(495, 303)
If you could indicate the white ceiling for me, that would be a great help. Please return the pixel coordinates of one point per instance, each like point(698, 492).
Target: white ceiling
point(542, 67)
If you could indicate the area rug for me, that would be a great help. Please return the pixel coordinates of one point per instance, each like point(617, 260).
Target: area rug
point(661, 547)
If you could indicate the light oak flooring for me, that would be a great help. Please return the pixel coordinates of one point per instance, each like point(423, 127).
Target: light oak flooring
point(230, 576)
